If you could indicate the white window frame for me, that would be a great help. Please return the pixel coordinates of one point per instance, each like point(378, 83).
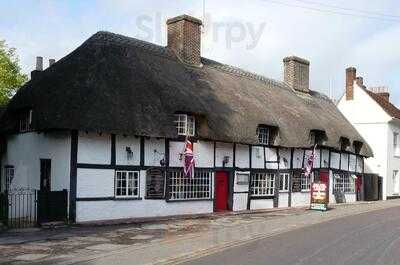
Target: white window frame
point(396, 182)
point(263, 135)
point(263, 184)
point(9, 176)
point(135, 175)
point(25, 121)
point(305, 182)
point(185, 124)
point(396, 145)
point(183, 188)
point(285, 181)
point(344, 182)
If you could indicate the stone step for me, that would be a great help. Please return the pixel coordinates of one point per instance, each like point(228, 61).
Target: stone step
point(57, 224)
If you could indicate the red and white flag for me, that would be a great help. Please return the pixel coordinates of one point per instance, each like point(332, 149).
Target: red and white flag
point(310, 163)
point(188, 161)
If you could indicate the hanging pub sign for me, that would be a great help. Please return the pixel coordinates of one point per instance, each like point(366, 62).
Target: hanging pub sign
point(319, 196)
point(155, 184)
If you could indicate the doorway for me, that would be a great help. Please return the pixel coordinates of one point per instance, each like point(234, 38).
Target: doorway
point(45, 174)
point(221, 191)
point(324, 177)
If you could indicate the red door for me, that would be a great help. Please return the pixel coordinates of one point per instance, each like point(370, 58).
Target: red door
point(221, 191)
point(324, 177)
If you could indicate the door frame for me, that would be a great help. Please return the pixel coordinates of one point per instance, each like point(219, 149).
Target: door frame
point(48, 184)
point(230, 189)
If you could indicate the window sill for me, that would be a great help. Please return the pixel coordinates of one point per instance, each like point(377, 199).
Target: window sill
point(127, 199)
point(188, 200)
point(283, 191)
point(266, 197)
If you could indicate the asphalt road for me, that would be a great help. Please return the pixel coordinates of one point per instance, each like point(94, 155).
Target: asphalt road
point(366, 239)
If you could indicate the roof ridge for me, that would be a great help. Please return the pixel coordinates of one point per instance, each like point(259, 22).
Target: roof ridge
point(106, 37)
point(241, 72)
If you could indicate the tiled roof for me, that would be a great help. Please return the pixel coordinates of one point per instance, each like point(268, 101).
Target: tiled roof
point(388, 107)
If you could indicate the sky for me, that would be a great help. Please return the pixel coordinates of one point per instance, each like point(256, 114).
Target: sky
point(254, 34)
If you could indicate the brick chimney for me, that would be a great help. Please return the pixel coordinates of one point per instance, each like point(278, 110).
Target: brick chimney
point(296, 73)
point(350, 77)
point(184, 38)
point(39, 67)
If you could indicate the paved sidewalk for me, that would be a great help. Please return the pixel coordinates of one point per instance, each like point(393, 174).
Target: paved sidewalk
point(165, 242)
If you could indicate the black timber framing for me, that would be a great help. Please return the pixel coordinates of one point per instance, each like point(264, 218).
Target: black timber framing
point(142, 151)
point(113, 150)
point(73, 176)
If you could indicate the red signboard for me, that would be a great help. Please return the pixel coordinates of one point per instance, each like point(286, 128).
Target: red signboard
point(319, 196)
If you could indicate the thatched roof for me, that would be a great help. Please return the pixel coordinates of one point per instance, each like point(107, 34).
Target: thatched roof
point(122, 85)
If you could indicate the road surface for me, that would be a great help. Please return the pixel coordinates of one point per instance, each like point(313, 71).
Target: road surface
point(366, 239)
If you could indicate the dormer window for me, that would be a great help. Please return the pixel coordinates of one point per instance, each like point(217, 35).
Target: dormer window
point(357, 146)
point(263, 134)
point(344, 143)
point(317, 137)
point(266, 134)
point(25, 121)
point(185, 124)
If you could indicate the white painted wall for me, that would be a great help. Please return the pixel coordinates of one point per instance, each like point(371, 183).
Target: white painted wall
point(300, 199)
point(257, 157)
point(376, 127)
point(222, 150)
point(261, 204)
point(93, 183)
point(121, 155)
point(285, 157)
point(119, 209)
point(283, 199)
point(24, 152)
point(94, 148)
point(154, 151)
point(204, 154)
point(298, 158)
point(242, 156)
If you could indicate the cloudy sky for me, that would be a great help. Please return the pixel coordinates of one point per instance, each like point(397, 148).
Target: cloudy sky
point(253, 34)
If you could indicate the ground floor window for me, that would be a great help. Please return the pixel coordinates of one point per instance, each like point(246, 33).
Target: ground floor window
point(284, 182)
point(182, 187)
point(127, 184)
point(262, 184)
point(9, 176)
point(306, 181)
point(343, 182)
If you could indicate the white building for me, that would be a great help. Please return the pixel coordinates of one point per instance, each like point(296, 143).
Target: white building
point(108, 123)
point(378, 121)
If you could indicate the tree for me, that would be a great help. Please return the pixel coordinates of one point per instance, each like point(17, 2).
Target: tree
point(11, 77)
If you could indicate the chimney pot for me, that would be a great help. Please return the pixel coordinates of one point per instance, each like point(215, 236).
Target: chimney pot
point(51, 62)
point(39, 63)
point(360, 81)
point(184, 38)
point(296, 73)
point(350, 77)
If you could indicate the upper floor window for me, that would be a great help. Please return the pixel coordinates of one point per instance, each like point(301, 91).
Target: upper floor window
point(185, 124)
point(317, 137)
point(263, 135)
point(25, 121)
point(396, 146)
point(344, 143)
point(357, 146)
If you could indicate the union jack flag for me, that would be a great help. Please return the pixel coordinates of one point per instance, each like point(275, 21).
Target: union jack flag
point(310, 163)
point(188, 162)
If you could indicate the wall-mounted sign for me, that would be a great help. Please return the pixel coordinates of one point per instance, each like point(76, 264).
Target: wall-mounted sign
point(319, 196)
point(296, 184)
point(155, 184)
